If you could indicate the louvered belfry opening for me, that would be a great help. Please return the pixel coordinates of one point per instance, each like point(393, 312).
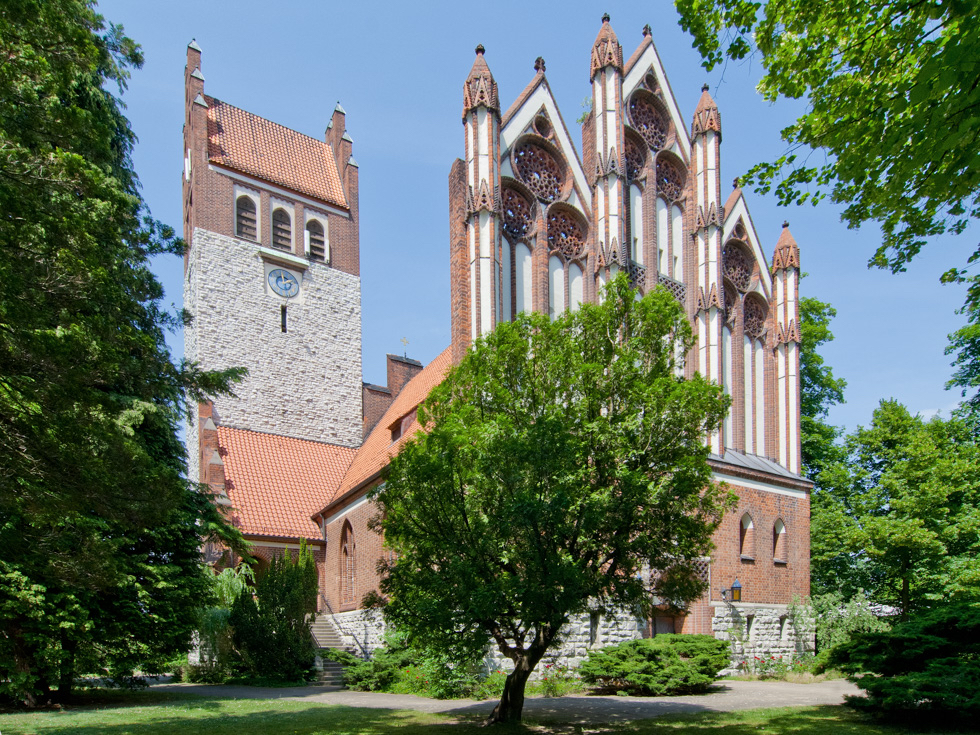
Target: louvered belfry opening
point(282, 236)
point(318, 243)
point(245, 221)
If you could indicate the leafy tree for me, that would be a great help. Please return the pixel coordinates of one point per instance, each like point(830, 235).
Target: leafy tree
point(100, 533)
point(562, 461)
point(893, 105)
point(901, 513)
point(924, 671)
point(819, 389)
point(964, 343)
point(271, 630)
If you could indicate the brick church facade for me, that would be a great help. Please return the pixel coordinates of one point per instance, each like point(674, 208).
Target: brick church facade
point(272, 283)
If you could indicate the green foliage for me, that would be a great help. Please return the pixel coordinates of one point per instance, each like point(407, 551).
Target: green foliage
point(899, 516)
point(665, 664)
point(217, 654)
point(101, 570)
point(379, 673)
point(892, 105)
point(964, 343)
point(819, 389)
point(271, 630)
point(562, 457)
point(925, 670)
point(837, 620)
point(556, 680)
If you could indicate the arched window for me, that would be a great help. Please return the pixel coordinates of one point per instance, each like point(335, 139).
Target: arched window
point(245, 220)
point(348, 565)
point(556, 286)
point(779, 541)
point(282, 230)
point(316, 241)
point(746, 537)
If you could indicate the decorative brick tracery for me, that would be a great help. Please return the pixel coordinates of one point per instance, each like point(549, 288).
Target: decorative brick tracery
point(755, 317)
point(516, 214)
point(670, 181)
point(635, 158)
point(737, 267)
point(539, 170)
point(649, 121)
point(566, 234)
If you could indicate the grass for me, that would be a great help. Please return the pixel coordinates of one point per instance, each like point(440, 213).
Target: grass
point(158, 713)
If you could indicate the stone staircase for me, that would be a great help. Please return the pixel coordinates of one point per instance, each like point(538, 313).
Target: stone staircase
point(325, 635)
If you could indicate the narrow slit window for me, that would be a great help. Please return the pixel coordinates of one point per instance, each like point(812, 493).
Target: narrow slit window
point(282, 315)
point(318, 242)
point(245, 220)
point(282, 236)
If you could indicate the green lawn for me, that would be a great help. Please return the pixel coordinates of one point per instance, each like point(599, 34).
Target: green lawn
point(151, 713)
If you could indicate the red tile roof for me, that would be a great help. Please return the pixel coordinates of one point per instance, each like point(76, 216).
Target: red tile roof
point(268, 151)
point(276, 483)
point(378, 449)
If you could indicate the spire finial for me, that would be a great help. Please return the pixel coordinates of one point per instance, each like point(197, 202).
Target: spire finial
point(647, 30)
point(605, 17)
point(704, 87)
point(480, 50)
point(735, 183)
point(785, 223)
point(539, 64)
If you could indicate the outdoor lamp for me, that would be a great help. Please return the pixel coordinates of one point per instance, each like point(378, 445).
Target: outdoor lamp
point(736, 591)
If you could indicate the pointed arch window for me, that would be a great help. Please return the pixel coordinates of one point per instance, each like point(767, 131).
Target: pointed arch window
point(779, 541)
point(245, 218)
point(746, 538)
point(282, 230)
point(348, 565)
point(316, 241)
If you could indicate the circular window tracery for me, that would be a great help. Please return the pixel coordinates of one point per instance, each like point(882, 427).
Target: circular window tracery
point(634, 159)
point(755, 317)
point(737, 267)
point(670, 181)
point(565, 233)
point(517, 214)
point(542, 126)
point(539, 170)
point(649, 121)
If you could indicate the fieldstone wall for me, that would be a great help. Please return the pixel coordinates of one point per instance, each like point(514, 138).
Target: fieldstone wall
point(361, 630)
point(304, 382)
point(762, 631)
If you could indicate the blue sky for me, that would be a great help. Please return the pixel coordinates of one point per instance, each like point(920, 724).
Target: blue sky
point(398, 70)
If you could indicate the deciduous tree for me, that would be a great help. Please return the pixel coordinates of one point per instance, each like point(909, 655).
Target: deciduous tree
point(561, 462)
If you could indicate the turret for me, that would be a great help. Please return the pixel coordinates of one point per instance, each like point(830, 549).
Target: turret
point(608, 174)
point(786, 293)
point(710, 299)
point(481, 123)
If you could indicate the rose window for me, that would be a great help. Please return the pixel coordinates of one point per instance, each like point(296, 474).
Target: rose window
point(738, 270)
point(634, 160)
point(755, 317)
point(670, 183)
point(565, 233)
point(539, 170)
point(649, 121)
point(517, 214)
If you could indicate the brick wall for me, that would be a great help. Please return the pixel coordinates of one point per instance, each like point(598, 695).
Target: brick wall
point(368, 549)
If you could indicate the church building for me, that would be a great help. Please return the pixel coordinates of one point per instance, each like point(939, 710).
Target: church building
point(535, 224)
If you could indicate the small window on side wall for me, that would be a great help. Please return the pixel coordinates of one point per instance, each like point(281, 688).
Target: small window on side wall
point(245, 220)
point(317, 241)
point(779, 542)
point(746, 538)
point(282, 230)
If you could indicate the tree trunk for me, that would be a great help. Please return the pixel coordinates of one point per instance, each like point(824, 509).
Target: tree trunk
point(511, 703)
point(66, 676)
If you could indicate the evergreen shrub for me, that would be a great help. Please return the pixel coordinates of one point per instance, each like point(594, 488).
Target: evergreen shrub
point(666, 664)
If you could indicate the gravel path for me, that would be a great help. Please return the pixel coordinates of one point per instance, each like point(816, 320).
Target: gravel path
point(726, 696)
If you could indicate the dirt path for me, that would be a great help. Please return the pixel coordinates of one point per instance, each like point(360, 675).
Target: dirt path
point(727, 696)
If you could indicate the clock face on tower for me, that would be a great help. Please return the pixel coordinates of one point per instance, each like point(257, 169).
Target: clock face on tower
point(283, 283)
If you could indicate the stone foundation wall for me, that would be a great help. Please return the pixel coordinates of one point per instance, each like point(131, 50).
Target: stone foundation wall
point(361, 630)
point(761, 631)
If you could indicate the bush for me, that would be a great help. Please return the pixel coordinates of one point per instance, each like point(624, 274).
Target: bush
point(271, 631)
point(379, 673)
point(557, 680)
point(837, 620)
point(926, 669)
point(666, 664)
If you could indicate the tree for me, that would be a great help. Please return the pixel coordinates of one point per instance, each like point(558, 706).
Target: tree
point(893, 106)
point(964, 343)
point(819, 389)
point(900, 513)
point(101, 570)
point(561, 462)
point(271, 630)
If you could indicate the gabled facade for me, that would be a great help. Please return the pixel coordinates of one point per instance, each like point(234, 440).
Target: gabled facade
point(536, 223)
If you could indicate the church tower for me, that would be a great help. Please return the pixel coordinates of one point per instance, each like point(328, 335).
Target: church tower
point(272, 273)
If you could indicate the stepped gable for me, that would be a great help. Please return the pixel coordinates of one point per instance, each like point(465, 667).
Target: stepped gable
point(275, 482)
point(272, 152)
point(377, 451)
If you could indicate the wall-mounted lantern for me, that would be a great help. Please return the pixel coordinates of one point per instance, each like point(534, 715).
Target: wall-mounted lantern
point(735, 592)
